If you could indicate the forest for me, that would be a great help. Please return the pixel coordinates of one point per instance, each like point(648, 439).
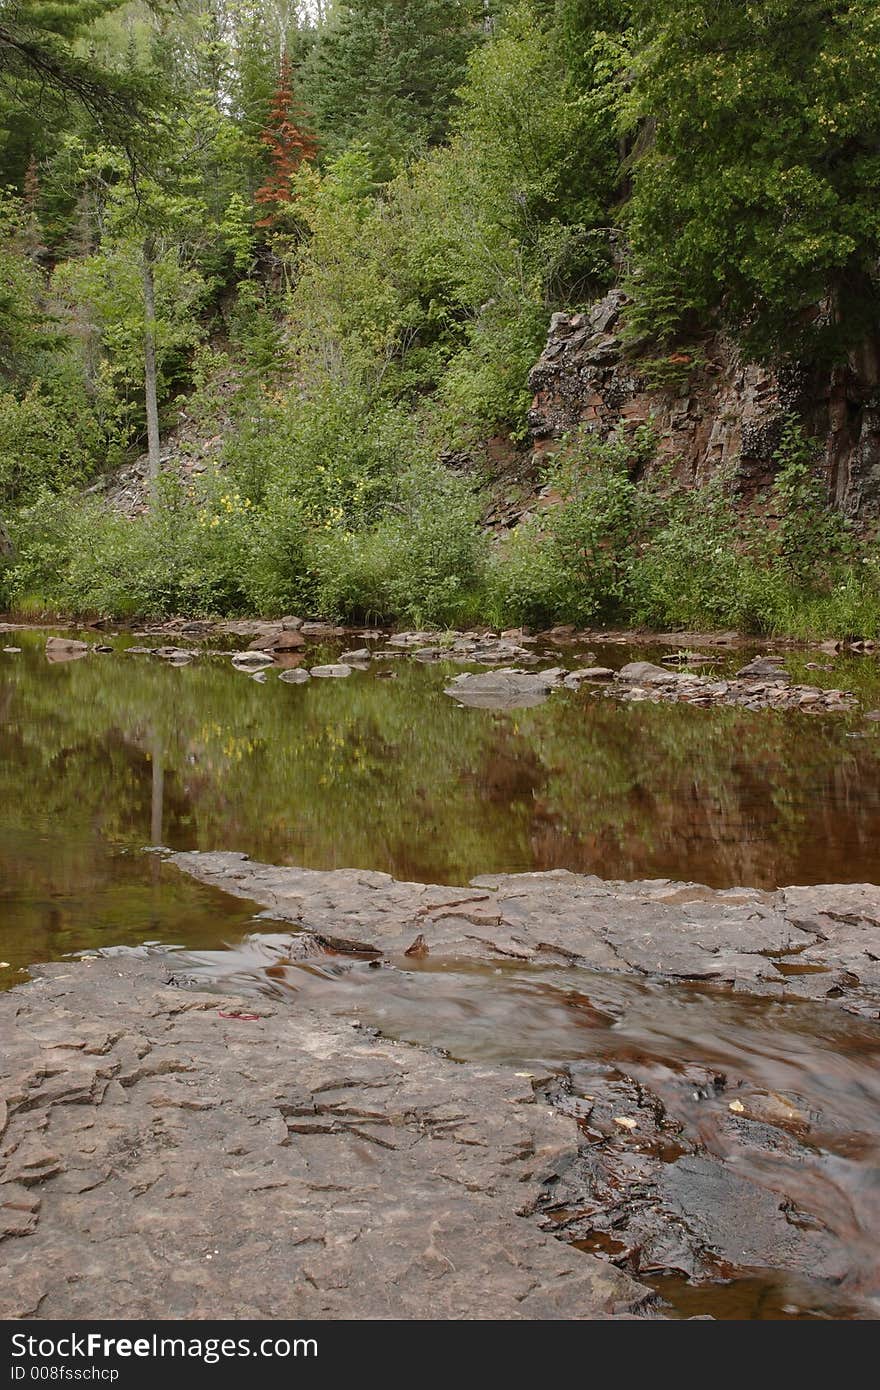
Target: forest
point(295, 261)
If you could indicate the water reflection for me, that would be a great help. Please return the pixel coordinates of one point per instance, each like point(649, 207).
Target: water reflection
point(101, 756)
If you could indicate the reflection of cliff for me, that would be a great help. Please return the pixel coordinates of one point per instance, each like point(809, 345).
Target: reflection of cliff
point(731, 799)
point(718, 412)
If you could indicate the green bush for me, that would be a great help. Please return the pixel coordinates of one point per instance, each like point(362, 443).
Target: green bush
point(421, 564)
point(570, 563)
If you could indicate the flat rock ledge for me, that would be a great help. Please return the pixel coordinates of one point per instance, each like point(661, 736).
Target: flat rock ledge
point(820, 943)
point(166, 1153)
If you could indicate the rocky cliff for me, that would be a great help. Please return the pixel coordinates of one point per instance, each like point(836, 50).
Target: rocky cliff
point(722, 412)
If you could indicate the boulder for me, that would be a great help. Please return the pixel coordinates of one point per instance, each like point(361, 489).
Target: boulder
point(361, 654)
point(65, 649)
point(175, 656)
point(769, 666)
point(410, 639)
point(587, 674)
point(245, 660)
point(289, 640)
point(505, 689)
point(298, 676)
point(646, 673)
point(339, 670)
point(278, 639)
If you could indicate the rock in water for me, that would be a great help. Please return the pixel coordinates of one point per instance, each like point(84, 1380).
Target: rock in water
point(589, 674)
point(289, 640)
point(294, 677)
point(505, 689)
point(245, 660)
point(339, 670)
point(769, 666)
point(646, 673)
point(65, 649)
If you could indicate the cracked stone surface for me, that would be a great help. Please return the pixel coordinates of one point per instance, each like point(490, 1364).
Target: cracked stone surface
point(166, 1153)
point(750, 939)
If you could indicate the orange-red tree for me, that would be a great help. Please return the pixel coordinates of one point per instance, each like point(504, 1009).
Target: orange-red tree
point(290, 141)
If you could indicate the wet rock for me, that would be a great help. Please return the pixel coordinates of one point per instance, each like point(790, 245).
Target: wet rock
point(656, 928)
point(411, 639)
point(252, 660)
point(587, 673)
point(65, 649)
point(217, 1160)
point(297, 676)
point(322, 630)
point(361, 654)
point(686, 659)
point(486, 652)
point(502, 690)
point(646, 673)
point(244, 627)
point(767, 693)
point(175, 656)
point(336, 671)
point(763, 666)
point(12, 651)
point(278, 639)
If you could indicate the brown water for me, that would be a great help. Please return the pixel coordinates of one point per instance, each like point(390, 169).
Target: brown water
point(103, 756)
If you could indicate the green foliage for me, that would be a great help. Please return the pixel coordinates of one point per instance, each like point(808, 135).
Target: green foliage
point(45, 443)
point(48, 64)
point(756, 169)
point(104, 294)
point(811, 539)
point(570, 562)
point(421, 564)
point(478, 168)
point(383, 72)
point(695, 571)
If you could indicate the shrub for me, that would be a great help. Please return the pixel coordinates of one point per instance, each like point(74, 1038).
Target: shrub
point(422, 564)
point(571, 562)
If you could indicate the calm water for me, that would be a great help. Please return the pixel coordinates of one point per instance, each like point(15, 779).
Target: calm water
point(104, 756)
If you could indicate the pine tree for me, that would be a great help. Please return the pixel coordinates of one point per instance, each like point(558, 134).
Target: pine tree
point(385, 72)
point(41, 62)
point(291, 143)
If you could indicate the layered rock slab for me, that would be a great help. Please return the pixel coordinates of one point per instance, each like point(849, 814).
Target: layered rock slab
point(818, 942)
point(165, 1153)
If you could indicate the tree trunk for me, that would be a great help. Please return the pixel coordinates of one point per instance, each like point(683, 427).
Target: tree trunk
point(150, 390)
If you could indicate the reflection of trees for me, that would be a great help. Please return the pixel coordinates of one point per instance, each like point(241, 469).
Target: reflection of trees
point(393, 775)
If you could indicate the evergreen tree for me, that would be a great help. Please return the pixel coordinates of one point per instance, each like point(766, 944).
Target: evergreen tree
point(290, 142)
point(385, 72)
point(757, 170)
point(44, 67)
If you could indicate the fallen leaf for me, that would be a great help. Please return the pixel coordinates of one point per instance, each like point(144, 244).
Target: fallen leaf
point(625, 1122)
